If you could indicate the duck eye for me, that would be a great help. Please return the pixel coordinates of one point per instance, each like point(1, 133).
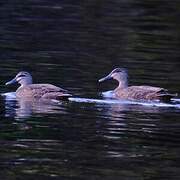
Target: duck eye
point(21, 75)
point(118, 71)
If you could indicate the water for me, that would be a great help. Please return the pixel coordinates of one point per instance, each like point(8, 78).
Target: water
point(72, 45)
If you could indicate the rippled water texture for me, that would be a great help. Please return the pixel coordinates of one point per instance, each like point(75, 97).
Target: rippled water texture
point(72, 44)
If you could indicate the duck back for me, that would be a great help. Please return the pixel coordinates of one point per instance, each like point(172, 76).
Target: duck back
point(38, 91)
point(143, 93)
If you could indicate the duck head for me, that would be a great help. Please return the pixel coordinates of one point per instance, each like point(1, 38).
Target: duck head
point(23, 78)
point(119, 74)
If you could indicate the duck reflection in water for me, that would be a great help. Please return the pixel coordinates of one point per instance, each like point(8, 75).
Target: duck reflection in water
point(123, 91)
point(24, 108)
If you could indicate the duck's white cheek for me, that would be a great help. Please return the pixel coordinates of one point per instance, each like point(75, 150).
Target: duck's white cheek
point(18, 79)
point(114, 76)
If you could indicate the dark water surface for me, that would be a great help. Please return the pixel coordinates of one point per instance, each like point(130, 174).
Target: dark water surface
point(72, 44)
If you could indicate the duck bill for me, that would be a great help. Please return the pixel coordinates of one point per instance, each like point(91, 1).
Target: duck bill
point(105, 78)
point(11, 82)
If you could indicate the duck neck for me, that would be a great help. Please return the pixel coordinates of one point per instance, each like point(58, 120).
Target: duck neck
point(25, 82)
point(123, 82)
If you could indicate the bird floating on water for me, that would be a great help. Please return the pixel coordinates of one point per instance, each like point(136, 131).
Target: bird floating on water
point(123, 91)
point(37, 91)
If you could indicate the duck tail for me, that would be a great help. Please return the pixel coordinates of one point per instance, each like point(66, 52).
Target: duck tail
point(64, 97)
point(166, 97)
point(57, 96)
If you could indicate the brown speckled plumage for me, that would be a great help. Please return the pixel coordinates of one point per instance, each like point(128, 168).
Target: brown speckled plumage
point(123, 91)
point(37, 91)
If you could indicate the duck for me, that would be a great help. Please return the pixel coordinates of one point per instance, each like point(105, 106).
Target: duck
point(29, 90)
point(139, 93)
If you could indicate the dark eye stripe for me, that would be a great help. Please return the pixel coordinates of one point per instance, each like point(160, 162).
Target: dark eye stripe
point(22, 76)
point(117, 71)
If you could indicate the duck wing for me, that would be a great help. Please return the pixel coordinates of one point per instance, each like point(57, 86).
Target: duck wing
point(148, 88)
point(145, 93)
point(47, 91)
